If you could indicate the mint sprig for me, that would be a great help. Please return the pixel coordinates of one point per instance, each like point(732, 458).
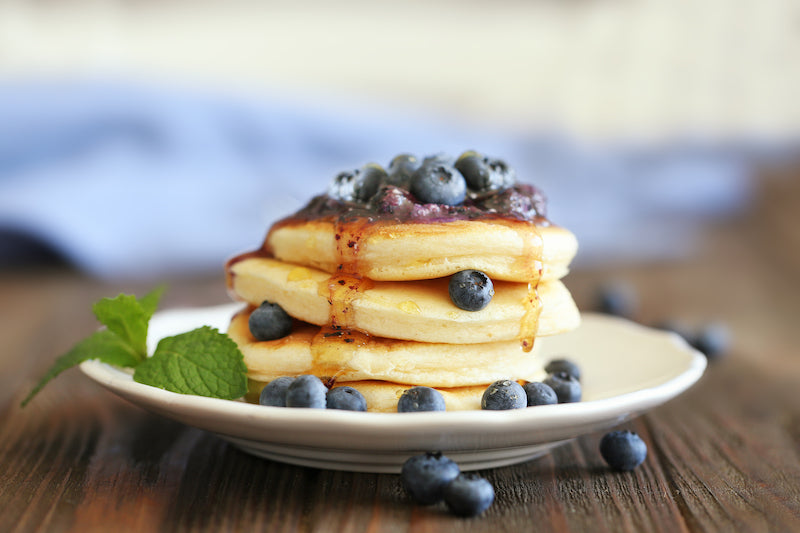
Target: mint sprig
point(203, 361)
point(191, 363)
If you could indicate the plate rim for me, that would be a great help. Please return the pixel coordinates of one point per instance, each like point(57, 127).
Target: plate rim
point(121, 383)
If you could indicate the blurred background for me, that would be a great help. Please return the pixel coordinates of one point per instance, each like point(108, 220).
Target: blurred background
point(144, 140)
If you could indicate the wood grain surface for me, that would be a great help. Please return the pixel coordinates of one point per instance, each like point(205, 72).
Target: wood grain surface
point(725, 456)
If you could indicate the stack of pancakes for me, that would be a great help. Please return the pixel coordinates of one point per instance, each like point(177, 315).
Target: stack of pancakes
point(368, 290)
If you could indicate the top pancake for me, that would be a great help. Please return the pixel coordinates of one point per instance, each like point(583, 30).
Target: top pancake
point(505, 249)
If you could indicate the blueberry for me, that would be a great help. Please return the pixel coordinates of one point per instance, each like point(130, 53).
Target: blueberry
point(563, 365)
point(623, 450)
point(468, 495)
point(438, 184)
point(274, 393)
point(539, 394)
point(372, 177)
point(401, 169)
point(357, 185)
point(425, 476)
point(713, 340)
point(306, 391)
point(679, 327)
point(438, 159)
point(269, 322)
point(484, 174)
point(471, 290)
point(618, 299)
point(504, 394)
point(346, 398)
point(420, 399)
point(566, 387)
point(343, 186)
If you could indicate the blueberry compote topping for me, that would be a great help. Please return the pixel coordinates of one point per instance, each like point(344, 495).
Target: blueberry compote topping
point(373, 193)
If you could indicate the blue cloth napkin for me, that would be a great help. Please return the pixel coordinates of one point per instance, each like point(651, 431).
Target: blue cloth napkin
point(133, 181)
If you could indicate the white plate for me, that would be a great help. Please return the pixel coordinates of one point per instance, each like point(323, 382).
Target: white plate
point(627, 369)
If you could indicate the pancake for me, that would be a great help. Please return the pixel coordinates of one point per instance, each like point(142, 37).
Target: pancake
point(382, 396)
point(364, 272)
point(411, 310)
point(504, 249)
point(356, 357)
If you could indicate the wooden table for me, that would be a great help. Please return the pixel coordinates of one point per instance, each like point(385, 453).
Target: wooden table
point(725, 456)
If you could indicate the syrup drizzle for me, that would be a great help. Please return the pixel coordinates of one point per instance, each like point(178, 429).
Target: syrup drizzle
point(529, 262)
point(529, 325)
point(336, 342)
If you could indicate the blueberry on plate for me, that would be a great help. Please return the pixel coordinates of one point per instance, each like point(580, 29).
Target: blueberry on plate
point(504, 394)
point(483, 174)
point(623, 450)
point(420, 398)
point(438, 184)
point(563, 365)
point(307, 391)
point(538, 393)
point(566, 387)
point(471, 290)
point(425, 476)
point(274, 393)
point(468, 495)
point(346, 398)
point(269, 322)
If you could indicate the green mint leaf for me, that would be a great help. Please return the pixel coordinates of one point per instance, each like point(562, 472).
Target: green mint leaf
point(128, 317)
point(203, 362)
point(104, 345)
point(149, 301)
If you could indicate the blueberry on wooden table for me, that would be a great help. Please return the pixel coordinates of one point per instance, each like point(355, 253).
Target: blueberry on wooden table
point(425, 476)
point(623, 450)
point(679, 327)
point(468, 495)
point(618, 299)
point(713, 340)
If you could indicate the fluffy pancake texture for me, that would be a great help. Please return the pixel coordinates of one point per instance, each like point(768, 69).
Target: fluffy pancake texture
point(411, 310)
point(503, 249)
point(327, 353)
